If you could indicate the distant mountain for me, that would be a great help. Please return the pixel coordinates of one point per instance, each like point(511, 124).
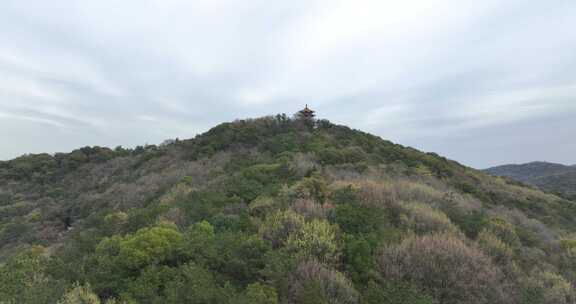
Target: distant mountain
point(550, 177)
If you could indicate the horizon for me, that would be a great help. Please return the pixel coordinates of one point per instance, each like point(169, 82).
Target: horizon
point(271, 115)
point(482, 83)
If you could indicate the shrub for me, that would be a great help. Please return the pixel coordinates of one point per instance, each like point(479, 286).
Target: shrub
point(317, 239)
point(423, 219)
point(24, 280)
point(394, 293)
point(257, 293)
point(358, 257)
point(198, 242)
point(149, 246)
point(471, 222)
point(196, 285)
point(80, 295)
point(119, 259)
point(239, 257)
point(491, 245)
point(358, 219)
point(149, 285)
point(261, 206)
point(310, 188)
point(548, 288)
point(504, 231)
point(313, 282)
point(343, 195)
point(311, 209)
point(278, 226)
point(201, 205)
point(445, 267)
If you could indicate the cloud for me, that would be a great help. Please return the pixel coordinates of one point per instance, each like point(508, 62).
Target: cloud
point(435, 74)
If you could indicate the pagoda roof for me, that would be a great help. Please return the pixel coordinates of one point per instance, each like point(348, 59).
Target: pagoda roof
point(307, 110)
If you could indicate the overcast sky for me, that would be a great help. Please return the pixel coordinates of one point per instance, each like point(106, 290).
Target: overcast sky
point(482, 82)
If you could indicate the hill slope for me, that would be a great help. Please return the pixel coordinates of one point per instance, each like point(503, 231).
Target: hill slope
point(550, 177)
point(275, 210)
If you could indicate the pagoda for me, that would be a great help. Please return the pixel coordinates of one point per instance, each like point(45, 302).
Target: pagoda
point(306, 114)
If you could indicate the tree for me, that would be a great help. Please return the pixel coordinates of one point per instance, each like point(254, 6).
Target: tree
point(23, 280)
point(312, 282)
point(80, 295)
point(359, 219)
point(118, 259)
point(394, 293)
point(196, 285)
point(278, 226)
point(316, 240)
point(545, 287)
point(446, 268)
point(257, 293)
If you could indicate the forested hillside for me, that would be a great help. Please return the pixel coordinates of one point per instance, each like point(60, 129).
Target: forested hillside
point(555, 178)
point(275, 210)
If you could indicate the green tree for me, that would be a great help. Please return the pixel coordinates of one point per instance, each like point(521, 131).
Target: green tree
point(257, 293)
point(358, 257)
point(313, 282)
point(80, 295)
point(196, 285)
point(118, 259)
point(358, 219)
point(394, 293)
point(317, 239)
point(278, 226)
point(24, 280)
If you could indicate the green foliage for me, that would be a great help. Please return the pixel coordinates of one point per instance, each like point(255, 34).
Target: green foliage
point(547, 288)
point(312, 294)
point(196, 285)
point(257, 293)
point(278, 226)
point(358, 219)
point(316, 239)
point(239, 257)
point(261, 206)
point(501, 252)
point(117, 258)
point(147, 246)
point(24, 280)
point(311, 188)
point(15, 230)
point(201, 205)
point(150, 285)
point(312, 282)
point(504, 231)
point(345, 195)
point(80, 295)
point(5, 199)
point(394, 293)
point(358, 257)
point(469, 222)
point(272, 210)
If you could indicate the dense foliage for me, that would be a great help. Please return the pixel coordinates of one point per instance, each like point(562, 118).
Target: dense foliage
point(275, 210)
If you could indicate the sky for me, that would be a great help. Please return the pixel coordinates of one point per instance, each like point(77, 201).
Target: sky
point(481, 82)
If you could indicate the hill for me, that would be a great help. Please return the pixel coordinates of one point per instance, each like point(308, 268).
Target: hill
point(556, 178)
point(276, 210)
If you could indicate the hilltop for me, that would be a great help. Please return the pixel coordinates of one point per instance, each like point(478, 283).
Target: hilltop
point(277, 210)
point(551, 177)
